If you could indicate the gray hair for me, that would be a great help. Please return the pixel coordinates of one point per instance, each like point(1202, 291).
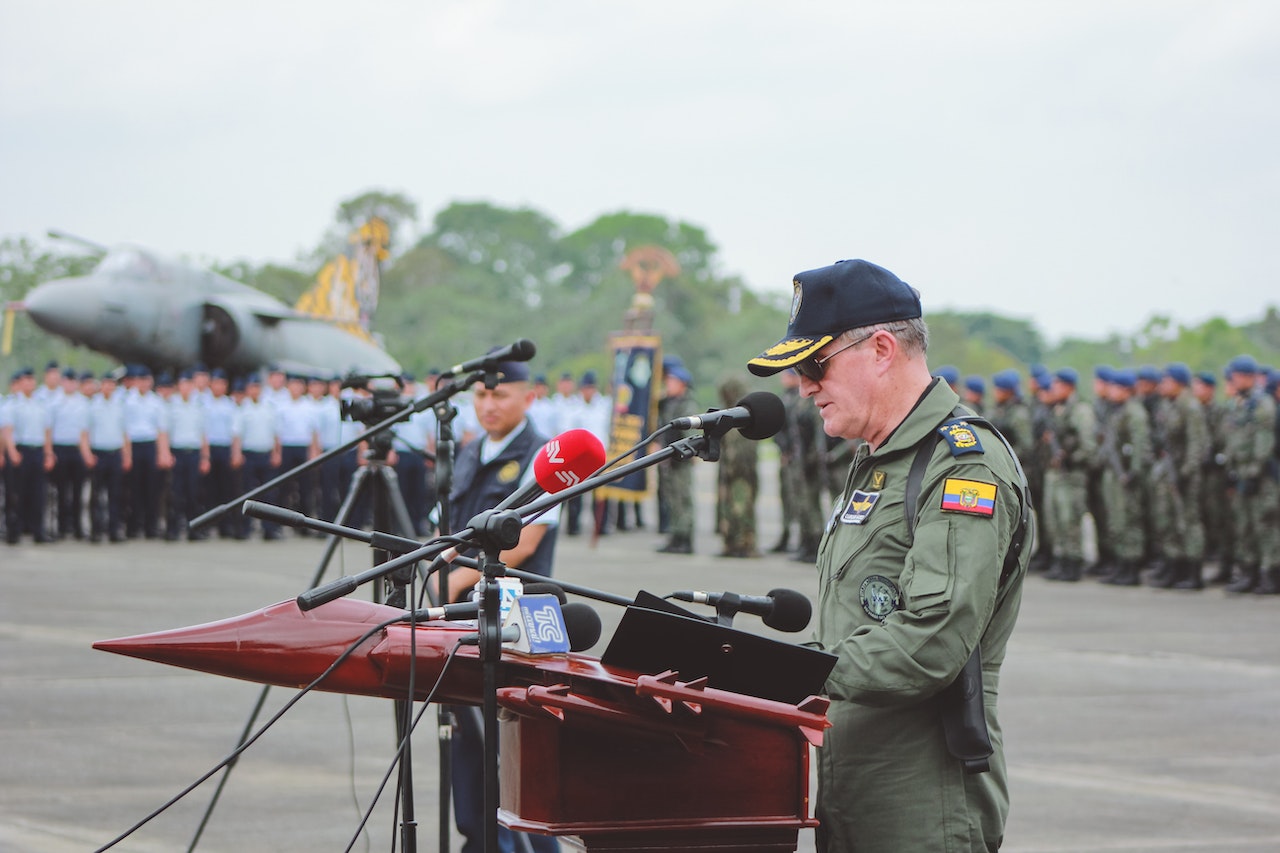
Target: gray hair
point(912, 334)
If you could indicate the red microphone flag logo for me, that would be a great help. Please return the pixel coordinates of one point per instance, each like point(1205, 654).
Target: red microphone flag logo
point(567, 460)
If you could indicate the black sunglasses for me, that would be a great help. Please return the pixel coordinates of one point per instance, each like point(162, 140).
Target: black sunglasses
point(814, 369)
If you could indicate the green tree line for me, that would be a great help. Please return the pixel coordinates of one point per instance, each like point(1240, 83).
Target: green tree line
point(485, 275)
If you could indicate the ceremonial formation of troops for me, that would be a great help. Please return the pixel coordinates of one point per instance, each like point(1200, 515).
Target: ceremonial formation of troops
point(128, 454)
point(1179, 470)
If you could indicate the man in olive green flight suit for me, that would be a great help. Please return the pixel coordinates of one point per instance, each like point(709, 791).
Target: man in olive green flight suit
point(903, 606)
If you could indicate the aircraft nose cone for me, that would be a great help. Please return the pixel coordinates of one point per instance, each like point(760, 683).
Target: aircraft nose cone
point(67, 307)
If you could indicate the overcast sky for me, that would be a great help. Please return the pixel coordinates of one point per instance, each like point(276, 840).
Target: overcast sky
point(1081, 164)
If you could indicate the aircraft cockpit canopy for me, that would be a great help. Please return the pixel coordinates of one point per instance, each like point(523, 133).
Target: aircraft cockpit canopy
point(134, 263)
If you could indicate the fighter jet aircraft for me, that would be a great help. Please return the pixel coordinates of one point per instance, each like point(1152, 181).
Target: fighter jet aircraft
point(137, 306)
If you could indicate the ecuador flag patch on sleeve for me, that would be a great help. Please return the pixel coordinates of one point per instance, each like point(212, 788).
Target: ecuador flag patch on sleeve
point(971, 496)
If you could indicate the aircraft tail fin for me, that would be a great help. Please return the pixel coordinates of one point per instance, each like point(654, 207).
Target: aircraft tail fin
point(346, 290)
point(6, 338)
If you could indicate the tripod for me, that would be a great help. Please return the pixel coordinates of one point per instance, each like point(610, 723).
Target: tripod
point(376, 480)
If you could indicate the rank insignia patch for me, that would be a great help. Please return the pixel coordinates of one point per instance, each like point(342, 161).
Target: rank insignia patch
point(879, 596)
point(860, 505)
point(960, 437)
point(971, 496)
point(877, 480)
point(509, 472)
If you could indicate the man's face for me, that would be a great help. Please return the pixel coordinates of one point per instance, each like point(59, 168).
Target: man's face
point(296, 387)
point(845, 395)
point(52, 377)
point(276, 379)
point(218, 387)
point(500, 410)
point(108, 387)
point(565, 387)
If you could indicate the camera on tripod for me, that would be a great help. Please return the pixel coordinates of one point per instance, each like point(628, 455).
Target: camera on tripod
point(384, 401)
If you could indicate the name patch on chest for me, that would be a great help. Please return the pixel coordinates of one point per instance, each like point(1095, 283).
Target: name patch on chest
point(860, 505)
point(970, 496)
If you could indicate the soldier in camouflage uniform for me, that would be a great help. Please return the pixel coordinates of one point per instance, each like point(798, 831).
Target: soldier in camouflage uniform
point(675, 476)
point(1011, 415)
point(1182, 441)
point(974, 394)
point(1148, 394)
point(738, 482)
point(811, 450)
point(1219, 539)
point(1126, 454)
point(1036, 464)
point(1071, 441)
point(1095, 500)
point(789, 479)
point(1252, 487)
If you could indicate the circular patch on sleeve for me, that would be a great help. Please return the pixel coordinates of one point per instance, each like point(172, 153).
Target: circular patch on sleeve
point(879, 596)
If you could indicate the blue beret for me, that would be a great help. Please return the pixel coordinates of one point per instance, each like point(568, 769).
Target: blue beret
point(976, 384)
point(52, 364)
point(164, 380)
point(253, 379)
point(218, 373)
point(1149, 373)
point(540, 379)
point(1179, 373)
point(86, 375)
point(1067, 375)
point(948, 373)
point(407, 377)
point(1006, 380)
point(680, 372)
point(1104, 372)
point(189, 373)
point(239, 384)
point(1124, 377)
point(1243, 364)
point(68, 373)
point(588, 379)
point(1207, 377)
point(17, 374)
point(1273, 380)
point(199, 367)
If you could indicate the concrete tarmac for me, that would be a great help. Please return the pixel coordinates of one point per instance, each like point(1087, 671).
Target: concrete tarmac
point(1135, 719)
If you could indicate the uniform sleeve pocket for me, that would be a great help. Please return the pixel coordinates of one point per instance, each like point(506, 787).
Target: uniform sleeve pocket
point(929, 576)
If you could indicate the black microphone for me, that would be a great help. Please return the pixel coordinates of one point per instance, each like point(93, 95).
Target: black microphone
point(757, 416)
point(522, 350)
point(782, 609)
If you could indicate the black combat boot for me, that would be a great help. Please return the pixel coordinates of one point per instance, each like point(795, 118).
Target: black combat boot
point(808, 552)
point(1070, 571)
point(1126, 574)
point(1269, 582)
point(1192, 575)
point(1053, 571)
point(677, 545)
point(1163, 573)
point(1246, 579)
point(1226, 566)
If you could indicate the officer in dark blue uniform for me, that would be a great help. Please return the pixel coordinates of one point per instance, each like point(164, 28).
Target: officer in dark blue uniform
point(486, 471)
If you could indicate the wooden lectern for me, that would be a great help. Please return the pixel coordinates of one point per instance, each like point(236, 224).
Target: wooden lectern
point(656, 762)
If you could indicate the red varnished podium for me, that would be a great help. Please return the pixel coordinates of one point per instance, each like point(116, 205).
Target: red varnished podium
point(708, 751)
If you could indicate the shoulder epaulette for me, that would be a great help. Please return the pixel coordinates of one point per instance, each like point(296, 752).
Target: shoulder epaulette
point(960, 437)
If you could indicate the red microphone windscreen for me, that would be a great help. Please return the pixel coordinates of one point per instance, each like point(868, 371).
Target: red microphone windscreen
point(567, 460)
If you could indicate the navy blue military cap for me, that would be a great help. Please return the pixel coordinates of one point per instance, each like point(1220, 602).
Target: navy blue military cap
point(1067, 375)
point(1243, 364)
point(189, 373)
point(976, 384)
point(86, 375)
point(1149, 373)
point(164, 380)
point(830, 300)
point(407, 377)
point(1104, 372)
point(1207, 378)
point(1273, 380)
point(948, 373)
point(673, 366)
point(51, 364)
point(1125, 377)
point(540, 379)
point(69, 372)
point(253, 379)
point(218, 373)
point(239, 384)
point(589, 379)
point(1179, 373)
point(1007, 380)
point(199, 367)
